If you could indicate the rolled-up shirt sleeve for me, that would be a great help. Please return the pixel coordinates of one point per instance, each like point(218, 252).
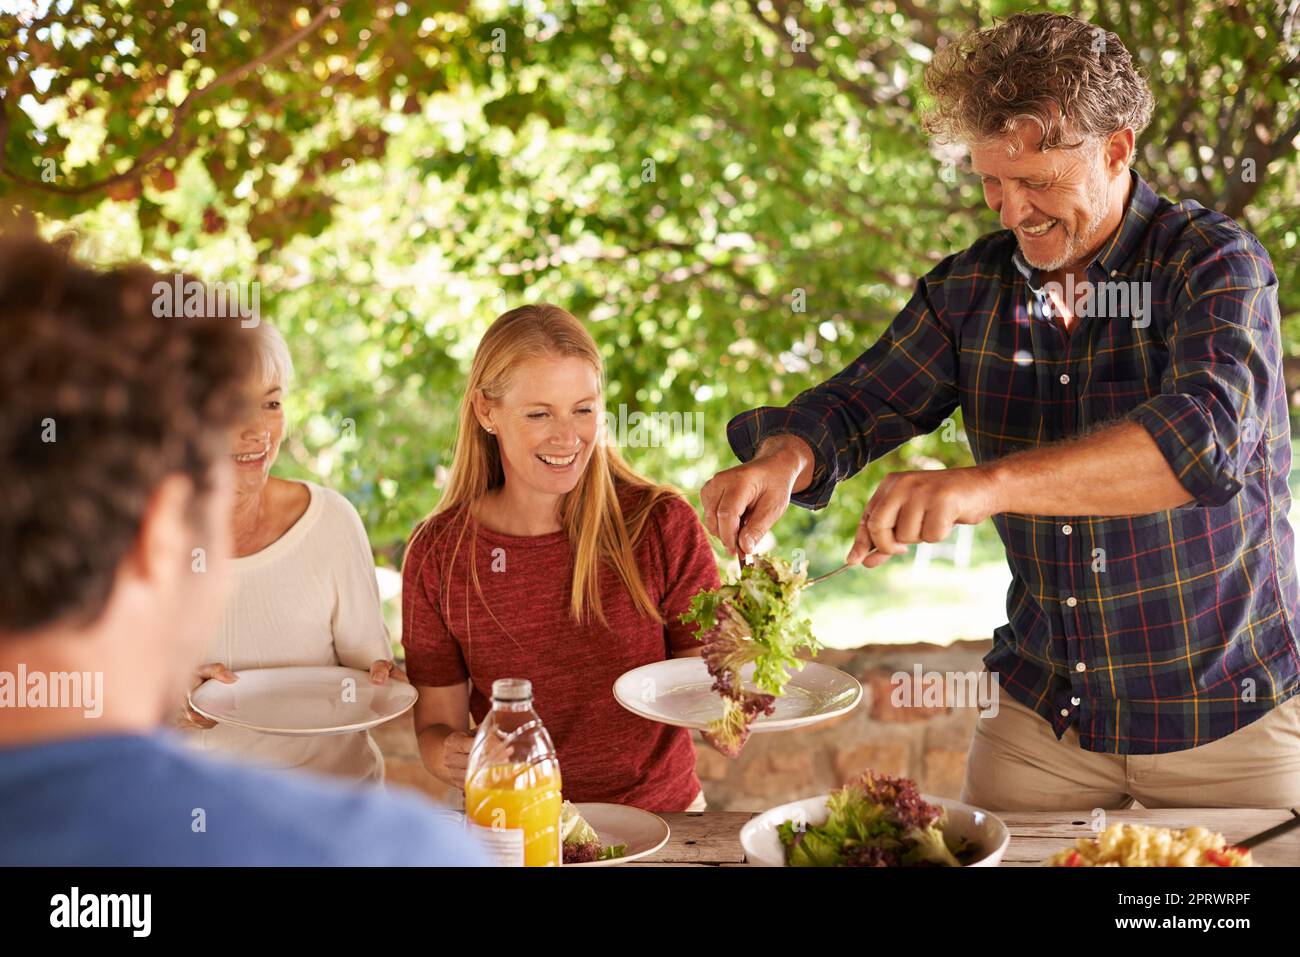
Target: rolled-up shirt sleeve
point(1224, 371)
point(904, 385)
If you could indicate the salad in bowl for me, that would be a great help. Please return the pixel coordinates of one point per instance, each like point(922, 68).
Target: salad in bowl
point(875, 820)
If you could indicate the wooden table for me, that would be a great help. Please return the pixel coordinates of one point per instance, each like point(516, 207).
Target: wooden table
point(712, 838)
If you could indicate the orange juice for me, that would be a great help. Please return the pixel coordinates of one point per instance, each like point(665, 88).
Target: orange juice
point(512, 783)
point(514, 811)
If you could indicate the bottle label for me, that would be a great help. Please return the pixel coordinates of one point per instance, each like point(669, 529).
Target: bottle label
point(504, 845)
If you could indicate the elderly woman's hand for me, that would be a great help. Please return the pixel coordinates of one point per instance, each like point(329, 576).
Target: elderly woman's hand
point(381, 670)
point(191, 720)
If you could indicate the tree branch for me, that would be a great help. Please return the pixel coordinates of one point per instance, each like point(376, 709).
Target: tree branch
point(1286, 141)
point(809, 62)
point(927, 22)
point(146, 159)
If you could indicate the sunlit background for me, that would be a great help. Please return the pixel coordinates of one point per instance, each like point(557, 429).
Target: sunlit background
point(736, 196)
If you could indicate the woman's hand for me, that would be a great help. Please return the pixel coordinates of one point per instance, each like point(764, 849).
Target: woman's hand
point(381, 669)
point(441, 721)
point(191, 720)
point(455, 753)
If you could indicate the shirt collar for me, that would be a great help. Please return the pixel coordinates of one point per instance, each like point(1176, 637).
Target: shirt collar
point(1123, 243)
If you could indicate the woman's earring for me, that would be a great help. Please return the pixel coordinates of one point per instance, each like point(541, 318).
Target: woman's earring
point(490, 430)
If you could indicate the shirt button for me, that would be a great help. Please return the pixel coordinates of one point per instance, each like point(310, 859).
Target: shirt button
point(1080, 666)
point(1065, 378)
point(1074, 701)
point(1065, 712)
point(1066, 529)
point(1072, 601)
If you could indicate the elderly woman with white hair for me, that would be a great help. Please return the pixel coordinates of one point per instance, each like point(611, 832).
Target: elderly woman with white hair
point(304, 589)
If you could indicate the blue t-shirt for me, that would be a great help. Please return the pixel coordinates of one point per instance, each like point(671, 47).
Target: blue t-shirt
point(148, 800)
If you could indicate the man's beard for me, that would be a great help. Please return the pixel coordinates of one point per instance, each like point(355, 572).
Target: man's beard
point(1077, 244)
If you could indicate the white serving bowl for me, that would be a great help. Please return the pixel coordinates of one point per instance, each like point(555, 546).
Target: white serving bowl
point(763, 846)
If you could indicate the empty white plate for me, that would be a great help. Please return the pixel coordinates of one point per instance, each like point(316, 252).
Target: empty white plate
point(680, 692)
point(642, 832)
point(312, 700)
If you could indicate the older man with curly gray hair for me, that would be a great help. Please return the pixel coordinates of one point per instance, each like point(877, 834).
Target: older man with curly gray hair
point(1116, 357)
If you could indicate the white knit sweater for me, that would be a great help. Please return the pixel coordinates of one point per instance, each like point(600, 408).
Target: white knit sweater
point(309, 598)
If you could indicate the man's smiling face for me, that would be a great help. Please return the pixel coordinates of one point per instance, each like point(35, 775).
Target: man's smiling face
point(1062, 204)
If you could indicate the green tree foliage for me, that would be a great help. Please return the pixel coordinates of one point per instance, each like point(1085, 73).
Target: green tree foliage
point(737, 195)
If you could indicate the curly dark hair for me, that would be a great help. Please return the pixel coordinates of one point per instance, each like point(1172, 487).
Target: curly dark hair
point(99, 402)
point(1062, 75)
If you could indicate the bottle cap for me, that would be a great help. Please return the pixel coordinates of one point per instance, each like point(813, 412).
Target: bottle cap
point(512, 689)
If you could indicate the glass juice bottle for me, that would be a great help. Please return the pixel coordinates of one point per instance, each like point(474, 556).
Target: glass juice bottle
point(512, 783)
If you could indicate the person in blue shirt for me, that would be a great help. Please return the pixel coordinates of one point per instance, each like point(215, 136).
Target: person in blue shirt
point(115, 407)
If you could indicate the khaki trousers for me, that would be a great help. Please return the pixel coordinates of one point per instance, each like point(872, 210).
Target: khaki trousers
point(1016, 763)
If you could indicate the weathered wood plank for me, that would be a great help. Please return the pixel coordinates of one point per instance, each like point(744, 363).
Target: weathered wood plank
point(711, 837)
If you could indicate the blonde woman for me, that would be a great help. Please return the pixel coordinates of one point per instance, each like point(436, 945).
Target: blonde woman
point(549, 558)
point(305, 590)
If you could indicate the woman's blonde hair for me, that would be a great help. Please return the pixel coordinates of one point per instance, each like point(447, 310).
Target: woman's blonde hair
point(591, 515)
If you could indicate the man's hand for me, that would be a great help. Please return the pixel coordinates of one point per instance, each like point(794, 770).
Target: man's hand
point(911, 507)
point(742, 503)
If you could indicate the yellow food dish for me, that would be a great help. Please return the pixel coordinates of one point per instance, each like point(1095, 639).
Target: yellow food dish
point(1138, 845)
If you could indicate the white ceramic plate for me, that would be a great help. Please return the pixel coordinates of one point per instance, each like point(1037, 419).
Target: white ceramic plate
point(763, 846)
point(642, 832)
point(680, 692)
point(294, 701)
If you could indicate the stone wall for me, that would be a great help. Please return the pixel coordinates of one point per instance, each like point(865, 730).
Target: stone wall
point(925, 743)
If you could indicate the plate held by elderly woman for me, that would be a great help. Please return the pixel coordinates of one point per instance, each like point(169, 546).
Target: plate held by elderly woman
point(303, 700)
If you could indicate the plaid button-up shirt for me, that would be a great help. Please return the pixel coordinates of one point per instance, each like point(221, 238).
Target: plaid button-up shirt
point(1147, 633)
